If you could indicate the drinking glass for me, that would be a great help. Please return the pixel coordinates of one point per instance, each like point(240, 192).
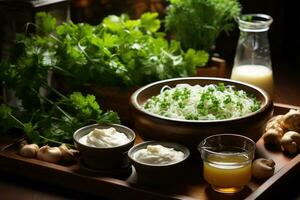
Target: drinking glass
point(227, 161)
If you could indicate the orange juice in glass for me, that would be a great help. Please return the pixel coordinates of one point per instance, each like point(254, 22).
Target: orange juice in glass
point(227, 161)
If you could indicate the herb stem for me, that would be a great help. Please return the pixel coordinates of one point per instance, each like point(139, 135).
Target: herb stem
point(17, 120)
point(54, 104)
point(56, 142)
point(54, 90)
point(35, 26)
point(67, 73)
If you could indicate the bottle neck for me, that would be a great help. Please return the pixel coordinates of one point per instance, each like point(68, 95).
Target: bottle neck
point(253, 49)
point(254, 22)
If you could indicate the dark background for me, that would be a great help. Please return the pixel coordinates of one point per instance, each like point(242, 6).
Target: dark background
point(284, 33)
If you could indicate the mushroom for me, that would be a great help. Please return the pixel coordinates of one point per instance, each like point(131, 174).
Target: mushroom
point(68, 154)
point(263, 168)
point(273, 136)
point(290, 142)
point(49, 154)
point(29, 150)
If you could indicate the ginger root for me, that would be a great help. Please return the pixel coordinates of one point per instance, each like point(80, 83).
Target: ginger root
point(291, 120)
point(274, 131)
point(280, 125)
point(275, 122)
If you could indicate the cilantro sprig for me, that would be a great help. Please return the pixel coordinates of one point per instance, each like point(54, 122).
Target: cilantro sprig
point(58, 123)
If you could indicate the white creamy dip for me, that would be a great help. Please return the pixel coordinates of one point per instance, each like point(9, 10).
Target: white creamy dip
point(104, 138)
point(158, 154)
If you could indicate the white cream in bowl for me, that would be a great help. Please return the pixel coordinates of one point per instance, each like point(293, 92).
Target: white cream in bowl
point(158, 154)
point(109, 137)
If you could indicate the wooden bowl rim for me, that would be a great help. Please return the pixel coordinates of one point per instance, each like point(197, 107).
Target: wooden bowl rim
point(134, 103)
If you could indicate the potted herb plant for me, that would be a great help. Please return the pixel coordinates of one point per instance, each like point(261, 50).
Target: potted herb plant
point(198, 23)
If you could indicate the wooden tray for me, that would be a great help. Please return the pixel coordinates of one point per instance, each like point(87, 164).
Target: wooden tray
point(117, 185)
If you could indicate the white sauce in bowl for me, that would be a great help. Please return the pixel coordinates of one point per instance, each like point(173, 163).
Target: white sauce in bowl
point(158, 154)
point(104, 138)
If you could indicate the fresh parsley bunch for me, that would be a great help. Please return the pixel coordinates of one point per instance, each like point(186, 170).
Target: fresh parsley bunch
point(122, 52)
point(119, 51)
point(58, 122)
point(198, 23)
point(31, 60)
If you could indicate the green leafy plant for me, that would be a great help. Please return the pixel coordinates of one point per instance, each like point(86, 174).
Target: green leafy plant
point(198, 23)
point(117, 52)
point(57, 123)
point(49, 117)
point(123, 52)
point(32, 58)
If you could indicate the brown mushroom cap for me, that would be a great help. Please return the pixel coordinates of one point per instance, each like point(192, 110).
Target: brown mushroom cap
point(263, 168)
point(273, 136)
point(290, 142)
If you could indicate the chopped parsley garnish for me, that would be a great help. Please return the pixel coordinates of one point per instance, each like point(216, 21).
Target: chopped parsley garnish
point(202, 103)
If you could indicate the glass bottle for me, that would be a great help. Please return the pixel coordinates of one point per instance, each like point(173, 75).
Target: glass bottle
point(252, 63)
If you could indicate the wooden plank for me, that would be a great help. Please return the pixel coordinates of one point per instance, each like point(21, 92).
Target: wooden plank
point(276, 178)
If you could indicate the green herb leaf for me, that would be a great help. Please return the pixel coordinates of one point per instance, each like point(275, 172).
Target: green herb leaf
point(45, 22)
point(150, 22)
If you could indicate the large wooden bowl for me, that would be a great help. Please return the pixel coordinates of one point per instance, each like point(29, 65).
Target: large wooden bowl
point(191, 132)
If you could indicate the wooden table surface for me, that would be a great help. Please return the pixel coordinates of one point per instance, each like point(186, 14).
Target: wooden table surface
point(287, 91)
